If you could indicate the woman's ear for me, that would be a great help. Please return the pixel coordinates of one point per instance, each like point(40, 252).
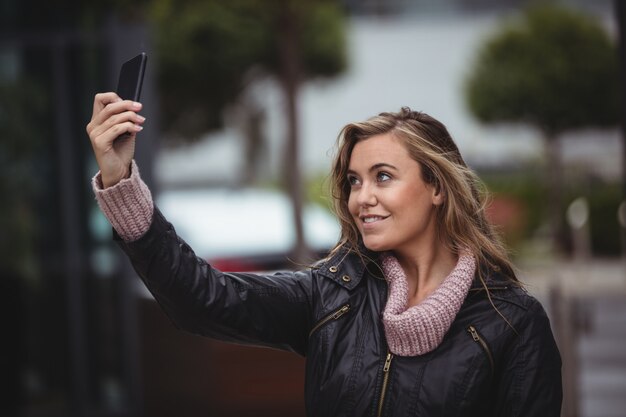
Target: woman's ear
point(439, 195)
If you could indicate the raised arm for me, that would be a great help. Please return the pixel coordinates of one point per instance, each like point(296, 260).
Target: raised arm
point(258, 309)
point(269, 310)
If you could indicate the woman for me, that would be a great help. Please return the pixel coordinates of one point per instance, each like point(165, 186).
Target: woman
point(417, 310)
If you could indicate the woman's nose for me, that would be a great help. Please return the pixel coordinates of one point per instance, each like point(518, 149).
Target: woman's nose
point(367, 196)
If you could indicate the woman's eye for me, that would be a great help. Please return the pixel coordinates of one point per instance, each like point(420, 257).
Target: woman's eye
point(352, 180)
point(382, 177)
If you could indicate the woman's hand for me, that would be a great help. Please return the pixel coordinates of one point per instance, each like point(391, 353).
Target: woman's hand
point(111, 118)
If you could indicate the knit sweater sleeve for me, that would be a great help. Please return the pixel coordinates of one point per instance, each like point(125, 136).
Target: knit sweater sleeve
point(127, 205)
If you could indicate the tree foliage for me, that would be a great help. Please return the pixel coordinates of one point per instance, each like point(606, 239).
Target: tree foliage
point(553, 68)
point(209, 49)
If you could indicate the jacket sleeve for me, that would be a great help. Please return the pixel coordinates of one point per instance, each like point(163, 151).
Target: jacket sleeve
point(266, 310)
point(531, 374)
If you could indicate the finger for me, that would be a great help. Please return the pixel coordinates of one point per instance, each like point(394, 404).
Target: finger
point(111, 109)
point(116, 119)
point(101, 100)
point(105, 141)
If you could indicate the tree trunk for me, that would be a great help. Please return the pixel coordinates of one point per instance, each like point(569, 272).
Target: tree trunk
point(620, 11)
point(290, 72)
point(555, 193)
point(252, 118)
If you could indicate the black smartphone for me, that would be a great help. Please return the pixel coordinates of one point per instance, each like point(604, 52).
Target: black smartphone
point(131, 77)
point(131, 80)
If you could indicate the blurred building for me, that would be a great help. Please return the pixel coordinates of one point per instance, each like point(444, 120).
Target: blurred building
point(70, 331)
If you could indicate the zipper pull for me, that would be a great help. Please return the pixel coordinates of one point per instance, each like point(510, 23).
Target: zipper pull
point(474, 333)
point(383, 390)
point(341, 312)
point(387, 362)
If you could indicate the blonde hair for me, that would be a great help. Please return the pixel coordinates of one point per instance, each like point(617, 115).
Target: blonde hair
point(461, 219)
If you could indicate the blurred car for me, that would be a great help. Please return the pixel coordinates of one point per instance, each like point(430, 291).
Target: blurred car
point(246, 229)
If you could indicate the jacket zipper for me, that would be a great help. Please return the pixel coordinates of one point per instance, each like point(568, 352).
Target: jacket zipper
point(478, 339)
point(332, 316)
point(386, 367)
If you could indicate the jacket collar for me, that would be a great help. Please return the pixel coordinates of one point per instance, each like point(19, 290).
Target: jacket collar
point(347, 266)
point(493, 280)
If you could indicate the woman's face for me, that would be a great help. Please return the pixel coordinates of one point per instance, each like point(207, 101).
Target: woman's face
point(393, 208)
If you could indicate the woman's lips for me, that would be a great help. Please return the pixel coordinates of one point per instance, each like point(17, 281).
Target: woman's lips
point(372, 220)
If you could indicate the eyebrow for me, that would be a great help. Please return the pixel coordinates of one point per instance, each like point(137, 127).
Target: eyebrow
point(375, 167)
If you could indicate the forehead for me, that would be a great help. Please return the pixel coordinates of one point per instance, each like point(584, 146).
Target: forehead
point(380, 148)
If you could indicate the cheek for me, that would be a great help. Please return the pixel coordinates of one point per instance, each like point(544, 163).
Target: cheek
point(352, 206)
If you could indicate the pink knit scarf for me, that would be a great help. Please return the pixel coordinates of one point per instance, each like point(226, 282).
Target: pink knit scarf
point(420, 329)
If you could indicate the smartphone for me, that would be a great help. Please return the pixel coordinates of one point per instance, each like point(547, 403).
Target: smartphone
point(131, 77)
point(131, 80)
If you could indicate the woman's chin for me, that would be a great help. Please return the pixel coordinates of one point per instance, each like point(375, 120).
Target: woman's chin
point(375, 246)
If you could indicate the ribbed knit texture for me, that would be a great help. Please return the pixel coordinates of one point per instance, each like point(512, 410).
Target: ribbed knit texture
point(420, 329)
point(127, 205)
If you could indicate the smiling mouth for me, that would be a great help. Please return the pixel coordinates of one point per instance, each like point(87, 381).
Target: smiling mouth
point(372, 219)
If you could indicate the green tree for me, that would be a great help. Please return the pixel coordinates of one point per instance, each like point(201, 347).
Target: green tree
point(210, 50)
point(555, 69)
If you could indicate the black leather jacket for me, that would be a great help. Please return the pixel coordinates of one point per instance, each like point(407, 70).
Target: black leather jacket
point(332, 315)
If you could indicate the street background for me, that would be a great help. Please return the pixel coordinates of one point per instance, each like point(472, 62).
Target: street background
point(244, 102)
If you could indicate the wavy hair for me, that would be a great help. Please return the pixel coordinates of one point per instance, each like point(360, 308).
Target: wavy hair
point(461, 220)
